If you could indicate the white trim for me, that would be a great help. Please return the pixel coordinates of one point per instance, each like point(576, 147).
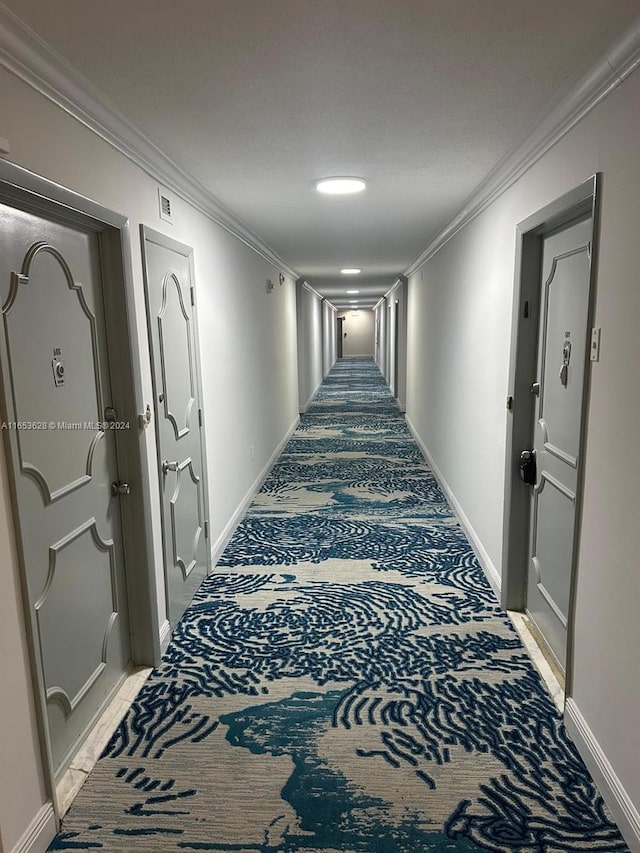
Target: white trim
point(165, 636)
point(624, 812)
point(311, 289)
point(571, 106)
point(492, 574)
point(40, 833)
point(400, 280)
point(222, 541)
point(304, 406)
point(29, 57)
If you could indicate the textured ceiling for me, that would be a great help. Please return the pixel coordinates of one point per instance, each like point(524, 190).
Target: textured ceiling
point(259, 98)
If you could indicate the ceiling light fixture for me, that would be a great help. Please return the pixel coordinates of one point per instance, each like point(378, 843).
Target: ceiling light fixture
point(353, 291)
point(350, 271)
point(353, 302)
point(340, 185)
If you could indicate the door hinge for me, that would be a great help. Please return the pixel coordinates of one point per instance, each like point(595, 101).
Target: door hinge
point(509, 402)
point(206, 530)
point(193, 297)
point(200, 418)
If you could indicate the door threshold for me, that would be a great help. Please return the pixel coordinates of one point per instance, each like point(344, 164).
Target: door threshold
point(84, 760)
point(540, 656)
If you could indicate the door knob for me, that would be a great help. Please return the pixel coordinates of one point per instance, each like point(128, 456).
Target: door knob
point(120, 488)
point(169, 466)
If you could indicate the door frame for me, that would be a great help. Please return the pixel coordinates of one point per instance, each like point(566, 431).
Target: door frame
point(147, 233)
point(577, 203)
point(27, 191)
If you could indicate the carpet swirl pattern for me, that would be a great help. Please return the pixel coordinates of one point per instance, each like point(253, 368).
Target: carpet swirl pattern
point(345, 681)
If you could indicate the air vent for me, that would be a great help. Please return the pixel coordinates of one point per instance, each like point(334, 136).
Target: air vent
point(165, 201)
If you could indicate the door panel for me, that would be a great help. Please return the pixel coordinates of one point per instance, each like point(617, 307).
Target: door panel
point(176, 357)
point(172, 329)
point(562, 349)
point(56, 389)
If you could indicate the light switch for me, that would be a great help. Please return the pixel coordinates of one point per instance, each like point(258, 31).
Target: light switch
point(595, 345)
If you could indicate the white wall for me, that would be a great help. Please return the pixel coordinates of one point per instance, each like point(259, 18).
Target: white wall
point(248, 356)
point(458, 355)
point(359, 328)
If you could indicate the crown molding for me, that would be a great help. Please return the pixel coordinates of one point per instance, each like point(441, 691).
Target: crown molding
point(400, 280)
point(570, 107)
point(29, 57)
point(305, 284)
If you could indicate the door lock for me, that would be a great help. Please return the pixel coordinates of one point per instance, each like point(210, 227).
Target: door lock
point(169, 466)
point(119, 488)
point(528, 467)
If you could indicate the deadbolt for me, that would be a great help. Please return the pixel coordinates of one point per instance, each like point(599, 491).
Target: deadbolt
point(120, 488)
point(528, 467)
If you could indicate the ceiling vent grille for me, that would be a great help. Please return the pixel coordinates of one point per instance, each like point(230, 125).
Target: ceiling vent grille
point(165, 202)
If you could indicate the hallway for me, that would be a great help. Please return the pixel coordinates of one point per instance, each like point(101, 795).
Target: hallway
point(345, 680)
point(467, 133)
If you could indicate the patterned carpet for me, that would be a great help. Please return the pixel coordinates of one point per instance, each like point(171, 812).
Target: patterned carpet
point(345, 681)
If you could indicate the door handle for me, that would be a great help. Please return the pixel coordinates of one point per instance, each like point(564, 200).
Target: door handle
point(169, 466)
point(528, 467)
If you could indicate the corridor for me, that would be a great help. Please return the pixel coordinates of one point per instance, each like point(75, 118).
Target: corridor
point(344, 680)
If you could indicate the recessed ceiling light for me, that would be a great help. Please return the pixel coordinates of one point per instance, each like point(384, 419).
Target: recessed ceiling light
point(353, 291)
point(350, 271)
point(340, 185)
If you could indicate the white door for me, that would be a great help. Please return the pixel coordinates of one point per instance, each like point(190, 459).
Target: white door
point(171, 312)
point(562, 355)
point(57, 394)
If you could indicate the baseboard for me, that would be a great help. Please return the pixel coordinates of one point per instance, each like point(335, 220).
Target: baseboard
point(222, 541)
point(165, 636)
point(302, 408)
point(624, 812)
point(492, 574)
point(40, 832)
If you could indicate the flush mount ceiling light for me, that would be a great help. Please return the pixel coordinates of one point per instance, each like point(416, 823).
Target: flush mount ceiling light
point(340, 185)
point(350, 271)
point(353, 302)
point(353, 291)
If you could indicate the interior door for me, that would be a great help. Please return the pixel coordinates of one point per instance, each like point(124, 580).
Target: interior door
point(339, 339)
point(62, 450)
point(562, 356)
point(171, 313)
point(396, 346)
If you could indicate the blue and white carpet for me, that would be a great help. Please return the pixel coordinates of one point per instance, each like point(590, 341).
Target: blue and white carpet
point(345, 682)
